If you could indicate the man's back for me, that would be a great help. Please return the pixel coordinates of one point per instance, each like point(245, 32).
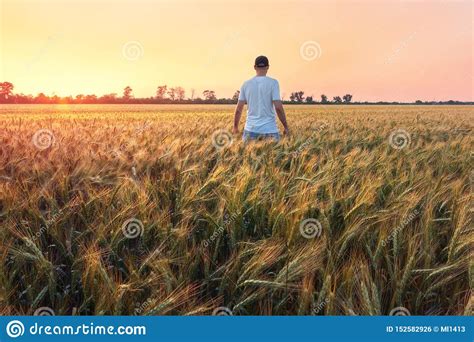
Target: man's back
point(259, 92)
point(262, 95)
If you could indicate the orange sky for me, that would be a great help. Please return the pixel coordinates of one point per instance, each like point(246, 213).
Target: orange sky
point(375, 50)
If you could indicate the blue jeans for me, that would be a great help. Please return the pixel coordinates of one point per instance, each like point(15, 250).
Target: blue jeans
point(247, 136)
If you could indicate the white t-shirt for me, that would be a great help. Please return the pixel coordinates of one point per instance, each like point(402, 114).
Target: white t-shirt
point(259, 92)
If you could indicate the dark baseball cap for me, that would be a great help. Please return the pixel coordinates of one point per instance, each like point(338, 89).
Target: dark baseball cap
point(261, 61)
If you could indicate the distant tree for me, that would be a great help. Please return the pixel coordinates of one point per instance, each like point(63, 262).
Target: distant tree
point(172, 93)
point(6, 89)
point(299, 96)
point(127, 93)
point(41, 98)
point(309, 99)
point(22, 98)
point(108, 98)
point(347, 98)
point(324, 99)
point(161, 92)
point(236, 95)
point(419, 102)
point(180, 93)
point(337, 99)
point(90, 99)
point(209, 95)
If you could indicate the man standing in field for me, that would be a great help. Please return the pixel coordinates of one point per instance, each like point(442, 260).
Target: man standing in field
point(262, 96)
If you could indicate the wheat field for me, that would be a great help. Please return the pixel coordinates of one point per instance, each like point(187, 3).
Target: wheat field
point(158, 210)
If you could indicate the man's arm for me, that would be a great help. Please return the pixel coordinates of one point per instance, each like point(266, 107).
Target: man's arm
point(237, 115)
point(281, 115)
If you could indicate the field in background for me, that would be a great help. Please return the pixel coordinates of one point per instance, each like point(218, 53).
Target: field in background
point(154, 210)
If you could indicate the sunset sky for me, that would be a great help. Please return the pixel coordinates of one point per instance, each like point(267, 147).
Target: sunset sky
point(375, 50)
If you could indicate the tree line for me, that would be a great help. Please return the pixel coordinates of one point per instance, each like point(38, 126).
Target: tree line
point(298, 97)
point(163, 95)
point(175, 95)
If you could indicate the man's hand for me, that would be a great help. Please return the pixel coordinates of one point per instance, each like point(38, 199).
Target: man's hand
point(237, 115)
point(281, 115)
